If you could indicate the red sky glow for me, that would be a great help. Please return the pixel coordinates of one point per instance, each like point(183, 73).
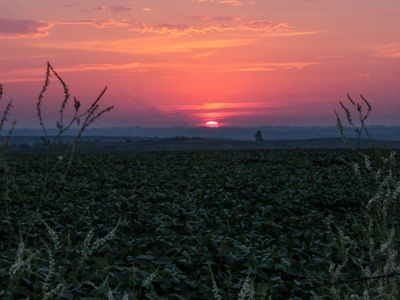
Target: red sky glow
point(187, 62)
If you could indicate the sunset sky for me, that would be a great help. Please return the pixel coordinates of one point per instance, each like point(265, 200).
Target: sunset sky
point(187, 62)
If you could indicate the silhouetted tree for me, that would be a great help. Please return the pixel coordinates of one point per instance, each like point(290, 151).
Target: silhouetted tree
point(258, 136)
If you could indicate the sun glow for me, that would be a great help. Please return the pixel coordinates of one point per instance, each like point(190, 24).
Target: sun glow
point(212, 124)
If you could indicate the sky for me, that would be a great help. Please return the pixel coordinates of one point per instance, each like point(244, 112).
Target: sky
point(187, 62)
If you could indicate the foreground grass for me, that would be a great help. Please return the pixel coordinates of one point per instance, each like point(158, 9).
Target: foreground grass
point(260, 215)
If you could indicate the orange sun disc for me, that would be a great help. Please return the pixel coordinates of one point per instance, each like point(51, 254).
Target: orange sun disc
point(212, 124)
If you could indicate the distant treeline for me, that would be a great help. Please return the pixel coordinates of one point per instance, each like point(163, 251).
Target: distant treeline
point(239, 133)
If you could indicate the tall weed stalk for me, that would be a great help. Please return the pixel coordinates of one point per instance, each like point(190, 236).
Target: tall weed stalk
point(64, 263)
point(363, 110)
point(5, 179)
point(81, 119)
point(369, 265)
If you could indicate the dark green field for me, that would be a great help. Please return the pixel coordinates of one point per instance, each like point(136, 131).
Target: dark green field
point(259, 213)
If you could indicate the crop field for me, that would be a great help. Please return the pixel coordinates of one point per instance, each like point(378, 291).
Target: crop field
point(177, 225)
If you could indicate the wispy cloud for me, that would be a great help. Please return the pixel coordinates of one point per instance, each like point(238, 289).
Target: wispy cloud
point(268, 67)
point(275, 28)
point(112, 8)
point(33, 28)
point(130, 66)
point(149, 45)
point(203, 54)
point(389, 51)
point(224, 19)
point(231, 2)
point(24, 28)
point(96, 23)
point(223, 2)
point(20, 79)
point(184, 29)
point(215, 106)
point(36, 74)
point(219, 111)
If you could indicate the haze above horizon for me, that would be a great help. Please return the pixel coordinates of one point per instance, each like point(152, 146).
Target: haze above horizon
point(187, 63)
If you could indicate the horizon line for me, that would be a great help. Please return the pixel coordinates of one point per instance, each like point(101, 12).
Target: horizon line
point(205, 127)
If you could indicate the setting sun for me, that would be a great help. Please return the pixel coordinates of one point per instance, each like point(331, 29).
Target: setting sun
point(229, 149)
point(212, 124)
point(245, 62)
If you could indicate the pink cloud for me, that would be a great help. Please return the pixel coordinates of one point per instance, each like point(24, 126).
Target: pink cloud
point(113, 8)
point(98, 24)
point(231, 2)
point(120, 8)
point(268, 67)
point(276, 28)
point(23, 28)
point(33, 28)
point(223, 2)
point(224, 19)
point(36, 74)
point(389, 51)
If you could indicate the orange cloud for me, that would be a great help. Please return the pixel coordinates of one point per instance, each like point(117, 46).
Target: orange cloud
point(203, 54)
point(231, 2)
point(268, 67)
point(150, 45)
point(389, 51)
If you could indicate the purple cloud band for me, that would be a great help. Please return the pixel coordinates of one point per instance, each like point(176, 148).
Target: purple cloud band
point(23, 28)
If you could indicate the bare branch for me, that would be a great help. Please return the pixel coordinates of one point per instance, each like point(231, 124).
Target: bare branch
point(39, 102)
point(66, 95)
